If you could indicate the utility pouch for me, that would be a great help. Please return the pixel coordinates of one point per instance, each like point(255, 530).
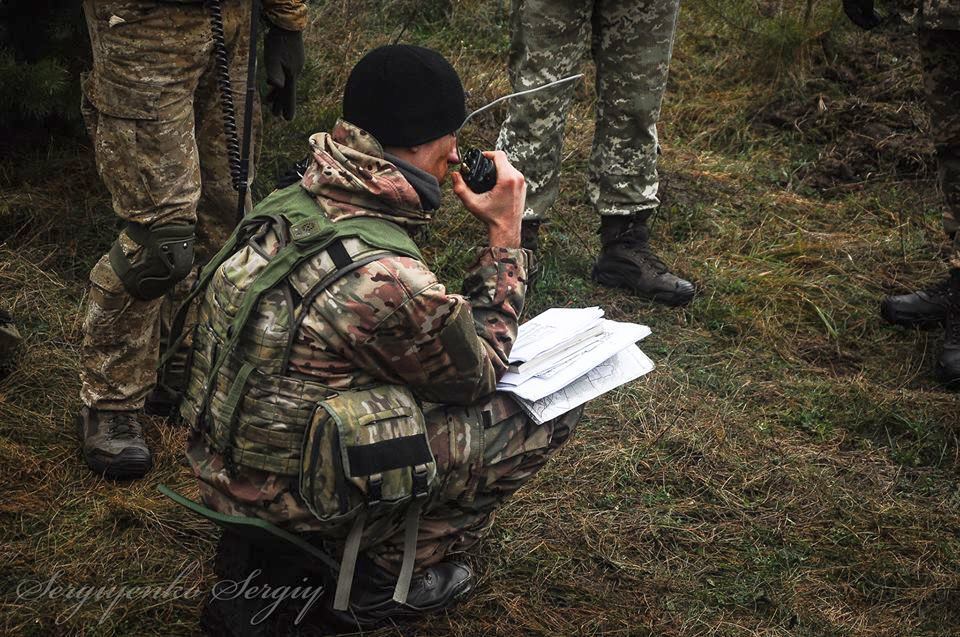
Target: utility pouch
point(365, 458)
point(365, 448)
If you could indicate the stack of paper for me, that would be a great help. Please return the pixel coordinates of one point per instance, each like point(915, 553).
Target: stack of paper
point(567, 356)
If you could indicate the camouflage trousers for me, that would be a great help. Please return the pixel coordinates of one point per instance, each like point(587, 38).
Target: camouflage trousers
point(631, 43)
point(480, 463)
point(152, 108)
point(940, 56)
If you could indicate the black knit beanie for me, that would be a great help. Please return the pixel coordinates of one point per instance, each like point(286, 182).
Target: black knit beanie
point(404, 95)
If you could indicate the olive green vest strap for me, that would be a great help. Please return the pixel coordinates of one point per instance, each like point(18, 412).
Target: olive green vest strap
point(411, 527)
point(308, 227)
point(276, 270)
point(233, 399)
point(348, 563)
point(316, 290)
point(203, 280)
point(256, 529)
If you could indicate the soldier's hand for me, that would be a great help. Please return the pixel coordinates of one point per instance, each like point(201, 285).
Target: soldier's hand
point(500, 208)
point(862, 13)
point(283, 57)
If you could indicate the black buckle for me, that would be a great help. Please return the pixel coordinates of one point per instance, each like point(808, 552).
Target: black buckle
point(375, 489)
point(420, 487)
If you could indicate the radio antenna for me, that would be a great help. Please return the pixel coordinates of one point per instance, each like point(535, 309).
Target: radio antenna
point(519, 94)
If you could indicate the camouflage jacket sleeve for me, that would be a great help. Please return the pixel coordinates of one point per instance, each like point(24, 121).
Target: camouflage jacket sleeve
point(286, 14)
point(398, 324)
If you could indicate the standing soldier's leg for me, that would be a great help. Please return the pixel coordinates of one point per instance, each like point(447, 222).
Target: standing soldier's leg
point(633, 43)
point(484, 453)
point(148, 57)
point(940, 56)
point(217, 208)
point(549, 41)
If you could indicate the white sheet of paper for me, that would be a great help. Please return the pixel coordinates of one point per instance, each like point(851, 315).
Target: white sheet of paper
point(616, 337)
point(547, 330)
point(621, 368)
point(547, 361)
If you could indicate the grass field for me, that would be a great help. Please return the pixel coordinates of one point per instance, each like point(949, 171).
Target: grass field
point(790, 467)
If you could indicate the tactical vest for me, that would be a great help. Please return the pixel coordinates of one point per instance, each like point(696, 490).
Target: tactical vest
point(360, 455)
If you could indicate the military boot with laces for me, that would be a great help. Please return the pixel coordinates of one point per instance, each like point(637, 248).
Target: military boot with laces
point(113, 444)
point(626, 261)
point(433, 589)
point(925, 308)
point(948, 365)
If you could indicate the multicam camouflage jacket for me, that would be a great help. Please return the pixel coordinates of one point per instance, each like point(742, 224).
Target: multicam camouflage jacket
point(387, 322)
point(390, 321)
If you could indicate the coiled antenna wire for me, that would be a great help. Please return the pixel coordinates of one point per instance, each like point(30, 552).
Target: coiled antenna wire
point(225, 88)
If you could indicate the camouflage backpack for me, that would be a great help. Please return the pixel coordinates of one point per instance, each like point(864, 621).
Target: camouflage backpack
point(361, 457)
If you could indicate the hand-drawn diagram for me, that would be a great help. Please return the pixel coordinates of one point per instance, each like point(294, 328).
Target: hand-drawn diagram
point(627, 365)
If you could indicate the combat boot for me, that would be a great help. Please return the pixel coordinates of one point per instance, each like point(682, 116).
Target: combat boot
point(626, 261)
point(948, 365)
point(924, 308)
point(9, 343)
point(431, 590)
point(113, 444)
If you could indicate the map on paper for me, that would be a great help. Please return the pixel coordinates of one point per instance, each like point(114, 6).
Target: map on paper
point(614, 338)
point(625, 366)
point(555, 329)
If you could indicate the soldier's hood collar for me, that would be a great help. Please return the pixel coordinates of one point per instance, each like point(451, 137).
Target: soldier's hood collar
point(349, 177)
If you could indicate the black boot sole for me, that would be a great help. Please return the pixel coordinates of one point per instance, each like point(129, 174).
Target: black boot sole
point(675, 298)
point(129, 464)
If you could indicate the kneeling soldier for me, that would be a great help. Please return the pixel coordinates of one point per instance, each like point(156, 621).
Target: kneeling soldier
point(336, 389)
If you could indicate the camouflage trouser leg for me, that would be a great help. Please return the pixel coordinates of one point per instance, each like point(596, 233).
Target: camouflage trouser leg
point(217, 208)
point(151, 63)
point(940, 56)
point(482, 465)
point(550, 38)
point(631, 43)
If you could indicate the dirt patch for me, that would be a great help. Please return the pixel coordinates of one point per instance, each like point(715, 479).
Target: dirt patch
point(864, 106)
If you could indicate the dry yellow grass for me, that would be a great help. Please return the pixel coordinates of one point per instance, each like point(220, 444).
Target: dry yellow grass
point(790, 468)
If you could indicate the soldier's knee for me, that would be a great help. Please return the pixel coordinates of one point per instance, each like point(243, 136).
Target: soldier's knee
point(165, 257)
point(564, 426)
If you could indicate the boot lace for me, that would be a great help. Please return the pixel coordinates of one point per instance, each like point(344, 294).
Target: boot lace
point(123, 426)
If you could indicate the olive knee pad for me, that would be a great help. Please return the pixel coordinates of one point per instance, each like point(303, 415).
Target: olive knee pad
point(165, 259)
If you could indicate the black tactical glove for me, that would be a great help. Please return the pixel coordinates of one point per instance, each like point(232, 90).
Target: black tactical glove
point(861, 13)
point(283, 56)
